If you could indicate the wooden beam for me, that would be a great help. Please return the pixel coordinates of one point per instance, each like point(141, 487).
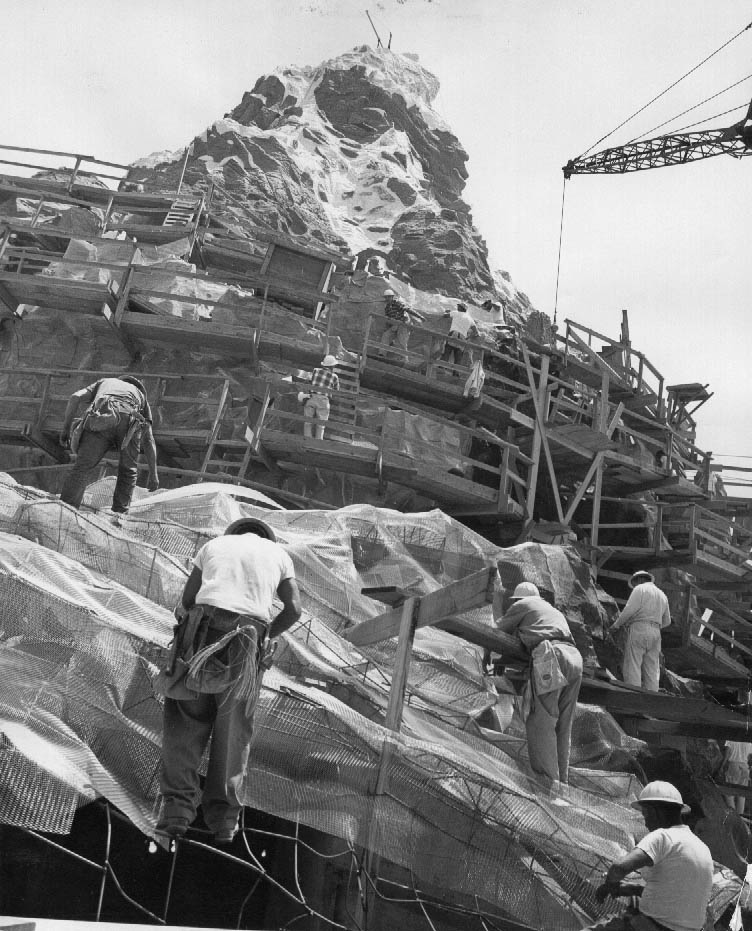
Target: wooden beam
point(471, 592)
point(539, 402)
point(624, 699)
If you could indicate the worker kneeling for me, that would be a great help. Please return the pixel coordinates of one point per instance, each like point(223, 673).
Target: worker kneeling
point(222, 645)
point(556, 675)
point(678, 869)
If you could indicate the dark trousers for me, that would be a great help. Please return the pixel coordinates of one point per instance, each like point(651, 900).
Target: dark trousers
point(188, 725)
point(91, 450)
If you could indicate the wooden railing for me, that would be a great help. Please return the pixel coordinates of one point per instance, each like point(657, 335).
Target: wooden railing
point(686, 528)
point(82, 166)
point(383, 441)
point(624, 364)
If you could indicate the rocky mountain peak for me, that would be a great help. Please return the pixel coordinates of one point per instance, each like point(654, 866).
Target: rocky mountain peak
point(350, 155)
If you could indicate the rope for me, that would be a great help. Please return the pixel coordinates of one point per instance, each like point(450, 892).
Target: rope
point(690, 109)
point(677, 81)
point(706, 119)
point(558, 260)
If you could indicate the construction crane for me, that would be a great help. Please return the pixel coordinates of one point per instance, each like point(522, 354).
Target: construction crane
point(672, 149)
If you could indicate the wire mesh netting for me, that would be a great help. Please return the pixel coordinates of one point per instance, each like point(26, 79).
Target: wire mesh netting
point(87, 619)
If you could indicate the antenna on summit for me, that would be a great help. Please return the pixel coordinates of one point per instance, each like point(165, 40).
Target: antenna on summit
point(379, 43)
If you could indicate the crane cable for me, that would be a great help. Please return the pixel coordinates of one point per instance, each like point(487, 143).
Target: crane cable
point(690, 109)
point(558, 261)
point(677, 81)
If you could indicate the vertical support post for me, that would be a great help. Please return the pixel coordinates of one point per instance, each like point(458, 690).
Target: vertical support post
point(392, 722)
point(692, 537)
point(598, 489)
point(366, 338)
point(74, 173)
point(658, 532)
point(502, 503)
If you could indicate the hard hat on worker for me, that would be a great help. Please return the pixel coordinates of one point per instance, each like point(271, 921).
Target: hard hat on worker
point(642, 575)
point(329, 360)
point(663, 793)
point(526, 590)
point(251, 525)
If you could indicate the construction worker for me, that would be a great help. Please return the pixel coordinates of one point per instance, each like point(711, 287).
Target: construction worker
point(461, 327)
point(399, 318)
point(735, 767)
point(644, 615)
point(118, 417)
point(549, 724)
point(323, 382)
point(225, 625)
point(678, 869)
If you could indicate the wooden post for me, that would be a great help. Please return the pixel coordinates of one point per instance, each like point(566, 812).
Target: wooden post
point(74, 173)
point(364, 354)
point(658, 532)
point(602, 424)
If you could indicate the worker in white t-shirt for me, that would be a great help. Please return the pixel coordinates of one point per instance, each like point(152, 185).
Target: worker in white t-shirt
point(676, 865)
point(225, 622)
point(644, 615)
point(461, 327)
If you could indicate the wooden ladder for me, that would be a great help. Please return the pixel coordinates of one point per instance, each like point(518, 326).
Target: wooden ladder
point(231, 457)
point(343, 404)
point(181, 212)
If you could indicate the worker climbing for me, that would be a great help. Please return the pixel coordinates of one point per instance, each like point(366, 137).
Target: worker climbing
point(555, 678)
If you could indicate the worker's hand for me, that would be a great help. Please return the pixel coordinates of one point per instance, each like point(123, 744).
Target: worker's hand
point(152, 483)
point(64, 439)
point(602, 893)
point(180, 612)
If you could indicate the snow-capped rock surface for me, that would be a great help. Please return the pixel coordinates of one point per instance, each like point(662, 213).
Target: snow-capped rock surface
point(352, 155)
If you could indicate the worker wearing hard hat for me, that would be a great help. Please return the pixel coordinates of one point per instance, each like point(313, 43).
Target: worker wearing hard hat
point(222, 643)
point(324, 380)
point(556, 675)
point(644, 615)
point(678, 869)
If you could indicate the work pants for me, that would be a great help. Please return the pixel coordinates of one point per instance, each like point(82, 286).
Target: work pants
point(188, 725)
point(397, 333)
point(91, 450)
point(738, 774)
point(453, 352)
point(317, 407)
point(642, 655)
point(549, 724)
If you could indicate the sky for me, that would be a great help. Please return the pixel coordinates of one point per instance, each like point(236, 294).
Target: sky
point(525, 86)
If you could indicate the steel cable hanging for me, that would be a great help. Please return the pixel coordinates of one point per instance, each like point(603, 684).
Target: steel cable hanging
point(663, 92)
point(690, 109)
point(558, 260)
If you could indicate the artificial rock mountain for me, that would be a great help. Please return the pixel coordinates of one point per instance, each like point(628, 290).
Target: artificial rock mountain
point(352, 156)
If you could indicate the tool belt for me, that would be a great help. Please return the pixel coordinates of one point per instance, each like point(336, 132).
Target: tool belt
point(216, 651)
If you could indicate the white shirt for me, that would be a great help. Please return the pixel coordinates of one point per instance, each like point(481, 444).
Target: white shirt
point(242, 573)
point(678, 885)
point(646, 603)
point(738, 751)
point(460, 322)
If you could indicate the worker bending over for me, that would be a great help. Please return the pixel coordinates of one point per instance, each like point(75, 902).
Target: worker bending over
point(677, 867)
point(118, 417)
point(544, 633)
point(211, 687)
point(645, 614)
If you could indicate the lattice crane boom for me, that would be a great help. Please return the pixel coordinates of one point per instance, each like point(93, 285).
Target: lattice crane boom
point(672, 149)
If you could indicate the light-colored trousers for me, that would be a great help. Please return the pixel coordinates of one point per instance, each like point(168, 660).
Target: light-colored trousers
point(642, 655)
point(317, 406)
point(549, 724)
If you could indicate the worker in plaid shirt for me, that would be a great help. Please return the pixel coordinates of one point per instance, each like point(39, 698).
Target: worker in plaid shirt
point(323, 382)
point(399, 319)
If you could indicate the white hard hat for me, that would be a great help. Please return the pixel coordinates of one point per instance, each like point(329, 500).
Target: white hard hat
point(329, 360)
point(389, 293)
point(251, 525)
point(637, 576)
point(659, 791)
point(525, 590)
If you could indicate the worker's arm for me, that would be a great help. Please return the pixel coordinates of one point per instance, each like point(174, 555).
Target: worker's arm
point(629, 610)
point(150, 448)
point(613, 884)
point(666, 616)
point(511, 620)
point(190, 590)
point(83, 394)
point(291, 608)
